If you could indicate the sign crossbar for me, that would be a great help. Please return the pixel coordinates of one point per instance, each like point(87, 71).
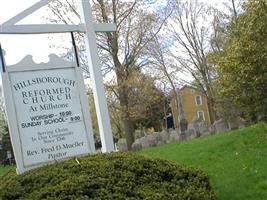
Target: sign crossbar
point(53, 28)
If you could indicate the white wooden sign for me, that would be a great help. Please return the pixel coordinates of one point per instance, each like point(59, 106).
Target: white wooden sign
point(47, 112)
point(89, 28)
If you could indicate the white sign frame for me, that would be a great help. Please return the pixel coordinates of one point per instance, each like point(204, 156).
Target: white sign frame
point(27, 64)
point(89, 28)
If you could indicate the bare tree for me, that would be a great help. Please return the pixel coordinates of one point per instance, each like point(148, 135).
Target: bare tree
point(233, 7)
point(137, 24)
point(167, 67)
point(191, 33)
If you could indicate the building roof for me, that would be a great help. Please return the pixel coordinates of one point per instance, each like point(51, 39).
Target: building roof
point(189, 86)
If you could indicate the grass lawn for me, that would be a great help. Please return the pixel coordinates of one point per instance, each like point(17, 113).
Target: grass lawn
point(236, 161)
point(5, 169)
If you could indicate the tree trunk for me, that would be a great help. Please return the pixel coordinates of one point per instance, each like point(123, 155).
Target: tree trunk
point(126, 118)
point(234, 8)
point(129, 129)
point(182, 120)
point(165, 115)
point(212, 112)
point(211, 105)
point(210, 100)
point(124, 104)
point(181, 117)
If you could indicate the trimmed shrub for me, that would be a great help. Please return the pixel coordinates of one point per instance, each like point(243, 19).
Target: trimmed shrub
point(109, 177)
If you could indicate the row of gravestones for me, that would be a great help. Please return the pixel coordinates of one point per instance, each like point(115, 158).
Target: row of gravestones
point(194, 130)
point(152, 140)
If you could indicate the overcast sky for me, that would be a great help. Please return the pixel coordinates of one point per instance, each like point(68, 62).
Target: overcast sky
point(18, 46)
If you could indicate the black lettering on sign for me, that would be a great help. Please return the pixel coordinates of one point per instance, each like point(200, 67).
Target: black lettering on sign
point(31, 124)
point(55, 121)
point(73, 145)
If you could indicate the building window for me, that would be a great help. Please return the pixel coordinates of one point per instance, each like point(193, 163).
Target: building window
point(198, 100)
point(200, 115)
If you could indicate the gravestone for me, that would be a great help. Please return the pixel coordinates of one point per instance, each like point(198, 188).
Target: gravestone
point(165, 136)
point(122, 144)
point(182, 137)
point(190, 133)
point(191, 126)
point(158, 138)
point(212, 129)
point(241, 122)
point(220, 126)
point(151, 140)
point(196, 127)
point(203, 128)
point(233, 124)
point(183, 125)
point(136, 146)
point(174, 136)
point(144, 142)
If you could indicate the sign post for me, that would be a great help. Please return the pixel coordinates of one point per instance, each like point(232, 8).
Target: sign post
point(95, 73)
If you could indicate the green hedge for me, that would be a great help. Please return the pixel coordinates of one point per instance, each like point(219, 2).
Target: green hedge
point(109, 177)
